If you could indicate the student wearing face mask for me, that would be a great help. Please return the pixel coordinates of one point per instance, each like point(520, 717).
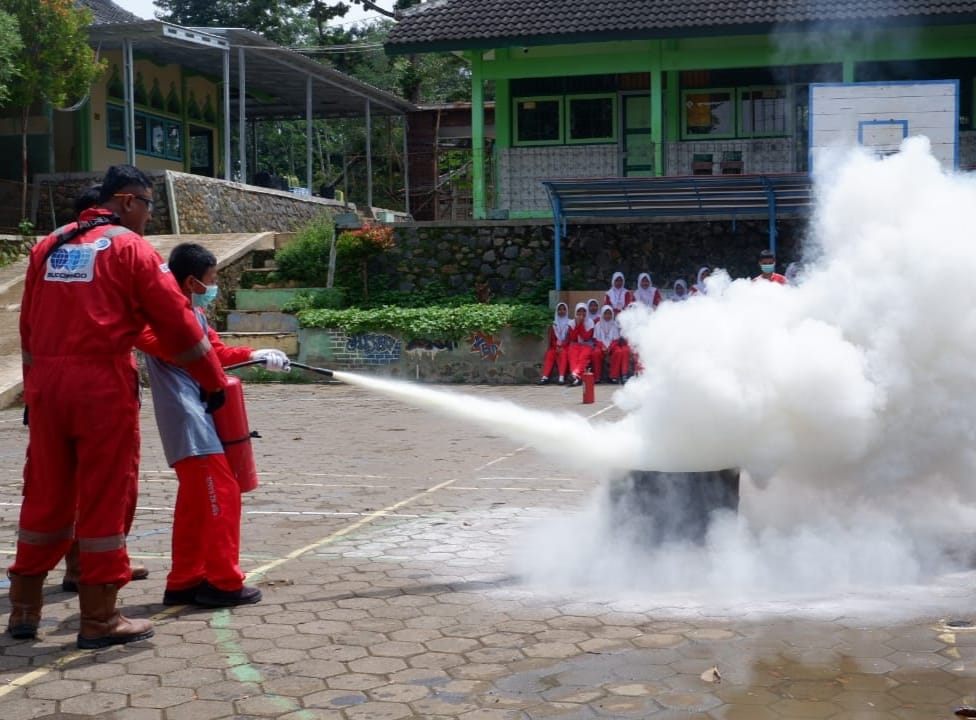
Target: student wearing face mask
point(767, 268)
point(207, 520)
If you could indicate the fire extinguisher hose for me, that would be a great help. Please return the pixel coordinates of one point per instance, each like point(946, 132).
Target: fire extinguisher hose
point(302, 366)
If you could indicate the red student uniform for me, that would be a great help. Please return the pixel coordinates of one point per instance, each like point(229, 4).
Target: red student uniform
point(207, 519)
point(580, 344)
point(557, 355)
point(609, 345)
point(82, 309)
point(617, 298)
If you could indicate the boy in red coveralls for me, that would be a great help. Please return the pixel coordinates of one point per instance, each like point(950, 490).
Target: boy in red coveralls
point(207, 520)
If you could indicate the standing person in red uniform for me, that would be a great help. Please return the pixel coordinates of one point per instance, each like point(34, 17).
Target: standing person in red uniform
point(89, 290)
point(557, 356)
point(767, 268)
point(206, 544)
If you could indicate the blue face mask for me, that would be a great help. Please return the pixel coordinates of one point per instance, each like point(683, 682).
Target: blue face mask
point(202, 300)
point(767, 268)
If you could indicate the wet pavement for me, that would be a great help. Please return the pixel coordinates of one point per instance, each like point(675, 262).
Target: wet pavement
point(383, 538)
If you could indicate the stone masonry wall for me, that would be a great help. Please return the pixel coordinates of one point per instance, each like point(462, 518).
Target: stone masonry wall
point(204, 205)
point(515, 258)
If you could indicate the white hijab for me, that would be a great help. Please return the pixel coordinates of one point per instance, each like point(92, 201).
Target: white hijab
point(700, 282)
point(594, 317)
point(684, 286)
point(562, 325)
point(606, 331)
point(645, 297)
point(588, 322)
point(618, 296)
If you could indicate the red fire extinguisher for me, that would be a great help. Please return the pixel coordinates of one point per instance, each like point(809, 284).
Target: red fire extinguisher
point(589, 387)
point(235, 435)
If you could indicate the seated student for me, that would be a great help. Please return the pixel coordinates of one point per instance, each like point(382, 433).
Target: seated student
point(699, 287)
point(593, 310)
point(680, 291)
point(767, 267)
point(580, 344)
point(618, 297)
point(557, 355)
point(646, 293)
point(607, 343)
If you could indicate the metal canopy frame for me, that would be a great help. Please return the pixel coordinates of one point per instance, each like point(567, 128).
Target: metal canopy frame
point(772, 195)
point(271, 82)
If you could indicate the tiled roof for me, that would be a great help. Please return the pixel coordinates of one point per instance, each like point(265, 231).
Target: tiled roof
point(106, 12)
point(457, 24)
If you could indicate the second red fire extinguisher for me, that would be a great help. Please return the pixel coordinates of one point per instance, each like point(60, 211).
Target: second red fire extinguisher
point(589, 388)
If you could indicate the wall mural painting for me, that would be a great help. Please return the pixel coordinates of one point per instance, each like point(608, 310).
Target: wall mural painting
point(429, 348)
point(375, 348)
point(486, 345)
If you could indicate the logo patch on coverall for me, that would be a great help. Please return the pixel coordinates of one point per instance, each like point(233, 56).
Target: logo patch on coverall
point(75, 263)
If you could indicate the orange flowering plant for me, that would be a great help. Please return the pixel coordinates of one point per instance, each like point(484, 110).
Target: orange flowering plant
point(358, 246)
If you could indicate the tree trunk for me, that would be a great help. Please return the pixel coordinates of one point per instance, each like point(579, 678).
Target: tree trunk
point(365, 285)
point(24, 117)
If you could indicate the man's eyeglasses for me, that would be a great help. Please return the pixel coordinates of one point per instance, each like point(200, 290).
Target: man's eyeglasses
point(149, 203)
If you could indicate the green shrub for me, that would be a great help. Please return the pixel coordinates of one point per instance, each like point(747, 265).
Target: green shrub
point(433, 323)
point(327, 298)
point(306, 257)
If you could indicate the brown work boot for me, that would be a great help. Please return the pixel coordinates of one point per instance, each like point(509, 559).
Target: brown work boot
point(101, 622)
point(72, 569)
point(26, 600)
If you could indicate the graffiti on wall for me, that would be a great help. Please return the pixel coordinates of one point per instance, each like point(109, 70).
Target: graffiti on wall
point(375, 348)
point(429, 348)
point(486, 345)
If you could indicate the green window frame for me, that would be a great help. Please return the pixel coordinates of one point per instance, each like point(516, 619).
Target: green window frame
point(529, 104)
point(708, 113)
point(576, 131)
point(770, 104)
point(155, 135)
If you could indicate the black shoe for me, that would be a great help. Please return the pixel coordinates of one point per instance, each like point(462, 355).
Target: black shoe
point(576, 382)
point(209, 596)
point(562, 381)
point(613, 381)
point(544, 381)
point(182, 597)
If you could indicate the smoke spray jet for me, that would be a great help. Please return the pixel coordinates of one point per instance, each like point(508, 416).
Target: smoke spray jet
point(548, 432)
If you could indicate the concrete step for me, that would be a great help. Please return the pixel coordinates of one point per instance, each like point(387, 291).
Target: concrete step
point(261, 321)
point(266, 298)
point(286, 342)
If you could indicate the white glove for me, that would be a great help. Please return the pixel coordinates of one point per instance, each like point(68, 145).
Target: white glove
point(274, 360)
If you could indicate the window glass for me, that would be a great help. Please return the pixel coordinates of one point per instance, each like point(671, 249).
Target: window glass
point(709, 113)
point(115, 119)
point(764, 111)
point(174, 141)
point(538, 120)
point(142, 133)
point(591, 118)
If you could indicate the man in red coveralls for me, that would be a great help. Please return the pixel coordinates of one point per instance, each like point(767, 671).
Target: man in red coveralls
point(90, 289)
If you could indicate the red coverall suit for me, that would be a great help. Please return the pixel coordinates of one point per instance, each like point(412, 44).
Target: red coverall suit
point(207, 520)
point(80, 315)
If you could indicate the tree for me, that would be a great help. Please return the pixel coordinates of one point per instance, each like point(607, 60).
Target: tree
point(55, 64)
point(10, 45)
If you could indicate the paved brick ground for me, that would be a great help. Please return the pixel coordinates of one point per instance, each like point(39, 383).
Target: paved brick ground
point(382, 538)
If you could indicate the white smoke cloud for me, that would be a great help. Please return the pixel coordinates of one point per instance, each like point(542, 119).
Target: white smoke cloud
point(849, 397)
